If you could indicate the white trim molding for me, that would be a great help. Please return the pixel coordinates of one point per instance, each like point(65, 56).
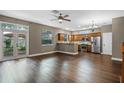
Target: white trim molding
point(106, 54)
point(70, 53)
point(39, 54)
point(116, 59)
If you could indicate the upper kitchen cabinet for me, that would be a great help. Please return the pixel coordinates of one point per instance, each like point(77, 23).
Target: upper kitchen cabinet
point(95, 34)
point(60, 37)
point(63, 37)
point(80, 37)
point(76, 37)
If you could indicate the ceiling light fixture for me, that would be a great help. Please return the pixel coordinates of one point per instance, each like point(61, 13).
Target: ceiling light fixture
point(93, 26)
point(60, 17)
point(60, 20)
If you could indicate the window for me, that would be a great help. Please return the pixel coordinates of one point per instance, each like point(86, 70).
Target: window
point(11, 26)
point(46, 37)
point(65, 37)
point(85, 32)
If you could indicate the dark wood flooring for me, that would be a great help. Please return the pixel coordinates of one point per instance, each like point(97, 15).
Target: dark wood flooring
point(62, 68)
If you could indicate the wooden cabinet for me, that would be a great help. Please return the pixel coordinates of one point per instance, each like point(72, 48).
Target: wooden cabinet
point(95, 34)
point(88, 48)
point(64, 37)
point(78, 37)
point(72, 38)
point(79, 47)
point(87, 37)
point(60, 37)
point(122, 69)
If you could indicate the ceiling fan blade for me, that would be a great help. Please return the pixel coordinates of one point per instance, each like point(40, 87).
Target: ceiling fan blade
point(66, 16)
point(53, 19)
point(67, 19)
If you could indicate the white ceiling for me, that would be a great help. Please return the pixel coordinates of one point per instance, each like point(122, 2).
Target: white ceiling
point(79, 18)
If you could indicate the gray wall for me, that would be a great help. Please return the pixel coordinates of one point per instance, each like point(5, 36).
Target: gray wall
point(35, 38)
point(106, 28)
point(118, 36)
point(35, 45)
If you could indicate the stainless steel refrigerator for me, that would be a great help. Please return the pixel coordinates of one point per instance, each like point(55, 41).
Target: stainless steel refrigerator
point(96, 44)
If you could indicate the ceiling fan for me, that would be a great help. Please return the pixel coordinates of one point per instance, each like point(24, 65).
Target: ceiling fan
point(60, 17)
point(90, 27)
point(93, 26)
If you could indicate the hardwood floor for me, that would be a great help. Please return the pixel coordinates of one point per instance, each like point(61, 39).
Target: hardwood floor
point(56, 68)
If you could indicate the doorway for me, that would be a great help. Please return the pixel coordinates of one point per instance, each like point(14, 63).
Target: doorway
point(107, 43)
point(13, 43)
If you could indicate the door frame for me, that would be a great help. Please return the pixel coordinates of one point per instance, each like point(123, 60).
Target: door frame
point(15, 34)
point(103, 52)
point(16, 40)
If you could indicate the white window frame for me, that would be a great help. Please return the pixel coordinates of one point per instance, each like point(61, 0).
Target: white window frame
point(26, 32)
point(47, 30)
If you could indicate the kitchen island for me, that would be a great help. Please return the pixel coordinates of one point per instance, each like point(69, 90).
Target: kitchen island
point(68, 48)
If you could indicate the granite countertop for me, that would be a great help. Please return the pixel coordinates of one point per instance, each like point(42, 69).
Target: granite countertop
point(78, 43)
point(84, 43)
point(67, 43)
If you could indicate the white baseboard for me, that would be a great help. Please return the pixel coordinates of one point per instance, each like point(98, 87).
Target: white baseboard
point(105, 54)
point(39, 54)
point(116, 59)
point(52, 53)
point(70, 53)
point(42, 53)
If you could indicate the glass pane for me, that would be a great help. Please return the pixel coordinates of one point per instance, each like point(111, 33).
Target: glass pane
point(11, 26)
point(46, 37)
point(21, 44)
point(65, 37)
point(8, 43)
point(85, 32)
